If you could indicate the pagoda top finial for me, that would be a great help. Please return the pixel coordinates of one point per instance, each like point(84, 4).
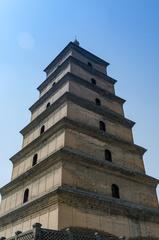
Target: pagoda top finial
point(76, 41)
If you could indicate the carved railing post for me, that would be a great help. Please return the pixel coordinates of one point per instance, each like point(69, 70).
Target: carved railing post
point(16, 234)
point(122, 237)
point(69, 234)
point(98, 237)
point(37, 230)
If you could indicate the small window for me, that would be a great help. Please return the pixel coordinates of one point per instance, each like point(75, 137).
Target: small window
point(102, 126)
point(89, 64)
point(115, 191)
point(53, 83)
point(48, 105)
point(26, 196)
point(98, 102)
point(35, 159)
point(108, 155)
point(42, 130)
point(93, 81)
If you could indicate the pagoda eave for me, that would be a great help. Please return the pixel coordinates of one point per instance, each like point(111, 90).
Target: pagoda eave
point(115, 117)
point(82, 199)
point(71, 77)
point(67, 123)
point(81, 50)
point(70, 60)
point(68, 154)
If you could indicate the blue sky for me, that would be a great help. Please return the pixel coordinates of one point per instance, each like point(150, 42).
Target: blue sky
point(123, 32)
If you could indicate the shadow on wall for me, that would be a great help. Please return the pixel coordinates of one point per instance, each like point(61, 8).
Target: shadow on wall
point(158, 193)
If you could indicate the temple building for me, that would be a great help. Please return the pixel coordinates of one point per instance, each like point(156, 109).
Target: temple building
point(79, 174)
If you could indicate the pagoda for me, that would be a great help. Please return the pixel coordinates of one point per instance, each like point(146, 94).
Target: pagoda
point(79, 167)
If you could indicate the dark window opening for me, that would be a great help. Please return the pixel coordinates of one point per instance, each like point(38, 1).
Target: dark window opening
point(26, 196)
point(53, 83)
point(108, 155)
point(115, 191)
point(35, 159)
point(102, 126)
point(98, 102)
point(93, 81)
point(90, 64)
point(42, 130)
point(48, 105)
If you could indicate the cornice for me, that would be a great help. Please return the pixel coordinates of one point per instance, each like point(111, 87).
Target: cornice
point(53, 75)
point(58, 127)
point(53, 107)
point(91, 201)
point(34, 171)
point(79, 198)
point(50, 92)
point(79, 49)
point(93, 71)
point(69, 60)
point(69, 76)
point(104, 136)
point(91, 131)
point(89, 55)
point(30, 207)
point(67, 154)
point(106, 166)
point(104, 111)
point(95, 88)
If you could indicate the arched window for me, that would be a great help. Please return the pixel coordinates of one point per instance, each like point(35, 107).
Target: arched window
point(48, 105)
point(98, 102)
point(102, 126)
point(93, 81)
point(42, 130)
point(35, 159)
point(108, 155)
point(115, 191)
point(89, 65)
point(26, 196)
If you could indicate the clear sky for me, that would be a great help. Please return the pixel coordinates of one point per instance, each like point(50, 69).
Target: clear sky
point(123, 32)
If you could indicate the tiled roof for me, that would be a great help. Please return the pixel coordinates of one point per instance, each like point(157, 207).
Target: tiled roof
point(38, 233)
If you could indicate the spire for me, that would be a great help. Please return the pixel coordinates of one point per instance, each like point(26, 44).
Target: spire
point(76, 41)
